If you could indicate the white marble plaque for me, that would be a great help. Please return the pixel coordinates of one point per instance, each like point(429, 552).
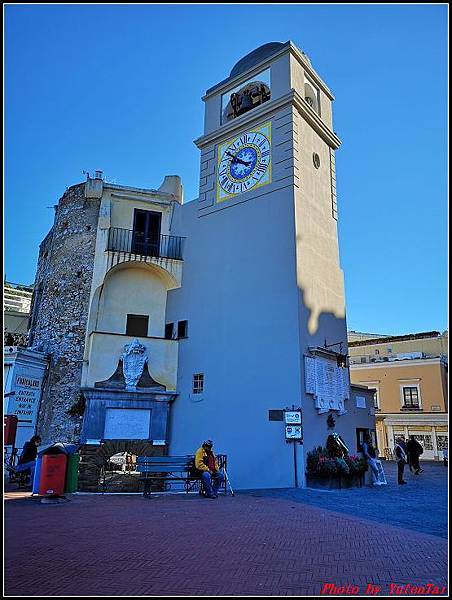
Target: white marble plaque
point(328, 383)
point(127, 424)
point(310, 375)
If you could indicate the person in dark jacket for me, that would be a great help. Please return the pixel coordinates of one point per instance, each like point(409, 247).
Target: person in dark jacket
point(414, 450)
point(401, 458)
point(27, 460)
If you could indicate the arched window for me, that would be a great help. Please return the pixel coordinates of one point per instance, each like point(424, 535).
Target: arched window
point(311, 97)
point(252, 94)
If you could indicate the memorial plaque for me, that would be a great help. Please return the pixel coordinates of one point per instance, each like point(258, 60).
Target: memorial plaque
point(328, 383)
point(127, 424)
point(310, 375)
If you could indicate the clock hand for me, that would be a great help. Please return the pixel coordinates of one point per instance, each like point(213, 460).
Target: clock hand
point(239, 160)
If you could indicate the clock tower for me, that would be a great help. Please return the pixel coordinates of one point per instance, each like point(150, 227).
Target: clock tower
point(263, 291)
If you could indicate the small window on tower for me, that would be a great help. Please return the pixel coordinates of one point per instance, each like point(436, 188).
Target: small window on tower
point(137, 325)
point(311, 96)
point(182, 328)
point(198, 383)
point(169, 331)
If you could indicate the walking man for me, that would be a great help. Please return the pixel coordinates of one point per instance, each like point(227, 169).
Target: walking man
point(414, 451)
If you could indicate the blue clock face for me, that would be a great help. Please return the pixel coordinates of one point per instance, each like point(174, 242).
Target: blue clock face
point(244, 162)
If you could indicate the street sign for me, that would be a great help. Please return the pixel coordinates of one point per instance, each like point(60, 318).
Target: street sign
point(294, 432)
point(292, 417)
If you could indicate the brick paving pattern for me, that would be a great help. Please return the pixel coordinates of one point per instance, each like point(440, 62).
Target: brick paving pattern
point(186, 545)
point(420, 505)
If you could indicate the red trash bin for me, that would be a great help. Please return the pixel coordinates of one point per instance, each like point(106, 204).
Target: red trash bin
point(53, 474)
point(10, 428)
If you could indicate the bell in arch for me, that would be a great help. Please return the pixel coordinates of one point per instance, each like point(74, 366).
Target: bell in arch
point(246, 102)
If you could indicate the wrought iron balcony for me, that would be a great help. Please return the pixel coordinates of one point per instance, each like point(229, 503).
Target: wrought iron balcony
point(15, 339)
point(132, 242)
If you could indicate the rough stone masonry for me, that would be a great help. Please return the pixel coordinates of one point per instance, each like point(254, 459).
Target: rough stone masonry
point(60, 310)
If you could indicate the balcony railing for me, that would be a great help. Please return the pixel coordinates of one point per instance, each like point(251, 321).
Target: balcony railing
point(15, 339)
point(133, 242)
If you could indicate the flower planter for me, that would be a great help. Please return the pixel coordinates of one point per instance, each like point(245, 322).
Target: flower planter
point(333, 482)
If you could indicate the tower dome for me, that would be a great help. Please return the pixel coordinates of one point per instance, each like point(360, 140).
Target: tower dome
point(255, 57)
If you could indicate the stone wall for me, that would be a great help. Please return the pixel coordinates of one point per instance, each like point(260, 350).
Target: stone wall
point(60, 309)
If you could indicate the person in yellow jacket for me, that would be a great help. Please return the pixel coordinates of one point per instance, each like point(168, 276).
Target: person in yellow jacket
point(207, 465)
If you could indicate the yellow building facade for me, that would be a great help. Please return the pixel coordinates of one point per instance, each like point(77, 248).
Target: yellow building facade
point(409, 374)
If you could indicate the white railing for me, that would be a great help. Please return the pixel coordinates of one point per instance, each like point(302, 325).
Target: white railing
point(17, 300)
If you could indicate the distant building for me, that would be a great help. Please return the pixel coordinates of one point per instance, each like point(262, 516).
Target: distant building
point(371, 347)
point(409, 374)
point(16, 304)
point(358, 336)
point(23, 369)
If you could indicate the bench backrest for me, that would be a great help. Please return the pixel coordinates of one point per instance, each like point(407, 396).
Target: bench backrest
point(163, 464)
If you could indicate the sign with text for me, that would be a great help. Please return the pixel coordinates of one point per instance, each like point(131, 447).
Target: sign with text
point(25, 401)
point(292, 417)
point(294, 432)
point(328, 383)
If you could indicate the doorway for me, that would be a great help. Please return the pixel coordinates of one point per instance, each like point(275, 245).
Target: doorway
point(146, 232)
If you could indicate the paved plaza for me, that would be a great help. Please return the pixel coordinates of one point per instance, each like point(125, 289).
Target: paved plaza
point(420, 505)
point(275, 542)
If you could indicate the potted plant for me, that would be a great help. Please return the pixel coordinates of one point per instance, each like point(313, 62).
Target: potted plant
point(326, 471)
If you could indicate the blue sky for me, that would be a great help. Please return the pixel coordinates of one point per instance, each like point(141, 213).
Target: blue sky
point(118, 88)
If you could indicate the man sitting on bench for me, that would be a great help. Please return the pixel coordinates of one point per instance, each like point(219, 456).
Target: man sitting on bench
point(27, 460)
point(207, 464)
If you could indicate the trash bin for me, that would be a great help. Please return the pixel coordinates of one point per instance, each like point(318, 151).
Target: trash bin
point(72, 473)
point(37, 475)
point(54, 472)
point(9, 429)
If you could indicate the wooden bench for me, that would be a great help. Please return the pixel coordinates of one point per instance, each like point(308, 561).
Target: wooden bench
point(166, 471)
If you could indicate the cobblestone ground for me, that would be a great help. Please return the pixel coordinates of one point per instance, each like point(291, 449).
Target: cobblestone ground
point(255, 543)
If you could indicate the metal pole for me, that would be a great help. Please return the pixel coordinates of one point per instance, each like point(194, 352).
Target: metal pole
point(295, 462)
